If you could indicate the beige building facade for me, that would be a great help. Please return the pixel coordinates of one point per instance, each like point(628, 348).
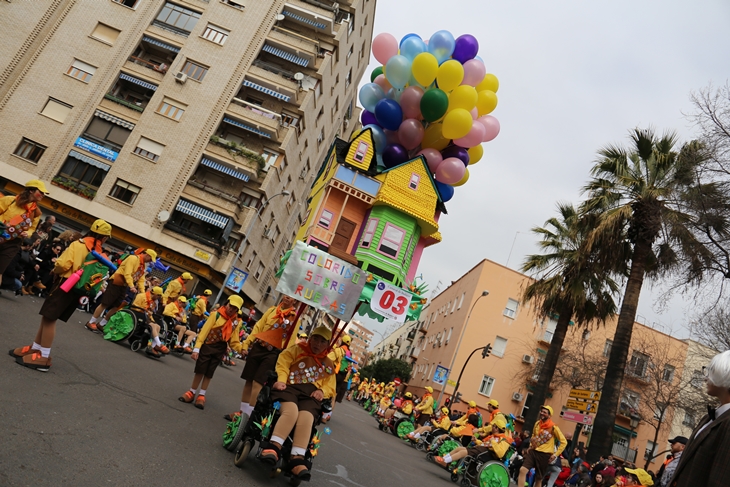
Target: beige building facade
point(361, 339)
point(177, 121)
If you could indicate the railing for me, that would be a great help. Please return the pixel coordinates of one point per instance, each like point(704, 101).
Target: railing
point(296, 35)
point(213, 190)
point(161, 68)
point(274, 68)
point(327, 6)
point(623, 452)
point(198, 238)
point(171, 28)
point(139, 108)
point(258, 109)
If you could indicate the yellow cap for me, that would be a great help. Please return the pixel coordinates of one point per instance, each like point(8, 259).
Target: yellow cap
point(493, 403)
point(324, 332)
point(158, 291)
point(644, 477)
point(182, 299)
point(409, 395)
point(236, 301)
point(101, 227)
point(429, 389)
point(472, 404)
point(548, 408)
point(187, 276)
point(382, 384)
point(346, 339)
point(445, 410)
point(499, 422)
point(151, 253)
point(37, 184)
point(207, 292)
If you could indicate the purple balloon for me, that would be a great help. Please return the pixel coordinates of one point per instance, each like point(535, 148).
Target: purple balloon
point(456, 151)
point(368, 118)
point(466, 48)
point(394, 154)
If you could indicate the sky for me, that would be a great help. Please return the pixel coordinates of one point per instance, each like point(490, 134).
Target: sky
point(574, 76)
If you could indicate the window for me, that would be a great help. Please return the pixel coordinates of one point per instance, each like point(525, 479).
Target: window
point(638, 364)
point(275, 234)
point(171, 109)
point(251, 260)
point(349, 53)
point(259, 271)
point(194, 70)
point(485, 388)
point(391, 240)
point(698, 379)
point(510, 311)
point(104, 33)
point(56, 110)
point(499, 347)
point(106, 133)
point(461, 300)
point(149, 149)
point(233, 4)
point(367, 236)
point(650, 450)
point(361, 151)
point(29, 150)
point(413, 183)
point(177, 19)
point(538, 368)
point(84, 172)
point(668, 373)
point(325, 220)
point(250, 200)
point(127, 3)
point(81, 71)
point(448, 337)
point(320, 137)
point(215, 34)
point(270, 157)
point(125, 191)
point(629, 402)
point(607, 348)
point(689, 419)
point(526, 406)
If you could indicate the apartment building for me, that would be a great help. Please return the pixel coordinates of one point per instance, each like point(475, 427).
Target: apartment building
point(398, 343)
point(181, 122)
point(361, 339)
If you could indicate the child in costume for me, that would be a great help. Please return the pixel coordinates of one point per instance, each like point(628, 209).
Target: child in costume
point(148, 303)
point(385, 403)
point(176, 287)
point(497, 443)
point(439, 426)
point(425, 407)
point(176, 310)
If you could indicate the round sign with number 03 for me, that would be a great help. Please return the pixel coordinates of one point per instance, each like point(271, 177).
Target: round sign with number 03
point(390, 301)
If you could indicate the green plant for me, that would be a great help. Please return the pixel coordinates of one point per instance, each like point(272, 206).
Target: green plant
point(237, 149)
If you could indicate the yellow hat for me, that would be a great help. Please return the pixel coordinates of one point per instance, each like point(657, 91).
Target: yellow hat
point(644, 477)
point(548, 408)
point(445, 410)
point(472, 404)
point(499, 423)
point(207, 292)
point(236, 301)
point(101, 227)
point(429, 389)
point(151, 253)
point(187, 276)
point(182, 299)
point(493, 403)
point(382, 384)
point(409, 395)
point(157, 290)
point(37, 184)
point(324, 332)
point(346, 339)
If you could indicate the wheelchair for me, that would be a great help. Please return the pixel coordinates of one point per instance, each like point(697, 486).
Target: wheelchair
point(484, 470)
point(424, 442)
point(169, 337)
point(130, 325)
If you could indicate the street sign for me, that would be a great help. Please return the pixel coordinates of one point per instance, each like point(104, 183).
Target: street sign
point(577, 417)
point(584, 407)
point(390, 301)
point(450, 382)
point(585, 394)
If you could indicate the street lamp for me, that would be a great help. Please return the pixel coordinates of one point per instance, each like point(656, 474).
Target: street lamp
point(243, 243)
point(458, 344)
point(634, 420)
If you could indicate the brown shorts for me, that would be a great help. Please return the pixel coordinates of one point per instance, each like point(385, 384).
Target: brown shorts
point(59, 305)
point(113, 296)
point(538, 460)
point(210, 357)
point(300, 394)
point(423, 419)
point(259, 362)
point(193, 322)
point(8, 251)
point(341, 386)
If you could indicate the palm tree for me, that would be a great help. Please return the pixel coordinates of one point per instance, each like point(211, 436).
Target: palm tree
point(571, 281)
point(635, 195)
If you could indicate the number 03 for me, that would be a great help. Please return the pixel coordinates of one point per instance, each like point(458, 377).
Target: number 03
point(387, 299)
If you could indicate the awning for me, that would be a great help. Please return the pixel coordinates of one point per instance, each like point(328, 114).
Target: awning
point(246, 127)
point(202, 214)
point(263, 89)
point(161, 44)
point(89, 160)
point(624, 431)
point(285, 55)
point(224, 169)
point(113, 119)
point(304, 20)
point(138, 81)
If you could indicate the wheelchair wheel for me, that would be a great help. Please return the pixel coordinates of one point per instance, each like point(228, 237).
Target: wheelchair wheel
point(234, 432)
point(429, 456)
point(421, 446)
point(464, 482)
point(403, 428)
point(454, 478)
point(121, 326)
point(242, 452)
point(294, 482)
point(136, 345)
point(493, 474)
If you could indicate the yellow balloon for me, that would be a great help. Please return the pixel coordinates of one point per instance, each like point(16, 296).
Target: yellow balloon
point(450, 75)
point(475, 154)
point(424, 68)
point(463, 180)
point(490, 82)
point(457, 123)
point(486, 102)
point(433, 138)
point(463, 96)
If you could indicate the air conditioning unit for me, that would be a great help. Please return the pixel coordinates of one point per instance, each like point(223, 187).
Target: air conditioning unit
point(528, 359)
point(181, 77)
point(268, 232)
point(516, 396)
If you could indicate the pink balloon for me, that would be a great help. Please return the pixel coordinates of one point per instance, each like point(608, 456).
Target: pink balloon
point(433, 158)
point(385, 46)
point(492, 127)
point(474, 72)
point(382, 81)
point(410, 102)
point(474, 113)
point(410, 133)
point(450, 171)
point(474, 137)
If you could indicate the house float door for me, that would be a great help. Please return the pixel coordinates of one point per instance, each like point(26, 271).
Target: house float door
point(343, 234)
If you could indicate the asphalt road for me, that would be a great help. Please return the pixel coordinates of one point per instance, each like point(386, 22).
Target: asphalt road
point(106, 416)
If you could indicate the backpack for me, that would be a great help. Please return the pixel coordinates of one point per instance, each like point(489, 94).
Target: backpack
point(94, 273)
point(191, 303)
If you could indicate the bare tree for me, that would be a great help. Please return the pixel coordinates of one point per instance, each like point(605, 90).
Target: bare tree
point(712, 327)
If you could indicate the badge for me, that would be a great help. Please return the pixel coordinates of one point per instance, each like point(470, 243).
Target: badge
point(301, 365)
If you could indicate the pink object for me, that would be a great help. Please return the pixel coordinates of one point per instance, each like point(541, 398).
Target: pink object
point(385, 46)
point(410, 102)
point(474, 137)
point(474, 72)
point(383, 82)
point(450, 171)
point(474, 113)
point(433, 158)
point(410, 133)
point(69, 283)
point(577, 417)
point(492, 125)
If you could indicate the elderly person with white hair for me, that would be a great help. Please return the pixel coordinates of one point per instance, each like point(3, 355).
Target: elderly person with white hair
point(706, 458)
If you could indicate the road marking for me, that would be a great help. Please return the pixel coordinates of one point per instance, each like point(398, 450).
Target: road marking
point(342, 473)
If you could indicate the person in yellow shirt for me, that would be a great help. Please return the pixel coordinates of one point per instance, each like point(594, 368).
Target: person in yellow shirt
point(201, 307)
point(213, 341)
point(384, 405)
point(60, 305)
point(305, 376)
point(472, 410)
point(176, 311)
point(147, 302)
point(439, 426)
point(129, 277)
point(542, 452)
point(20, 216)
point(497, 443)
point(425, 407)
point(176, 287)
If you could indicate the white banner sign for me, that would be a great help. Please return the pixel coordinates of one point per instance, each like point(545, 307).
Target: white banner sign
point(390, 301)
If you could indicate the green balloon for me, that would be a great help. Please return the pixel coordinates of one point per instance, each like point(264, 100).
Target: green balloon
point(434, 104)
point(376, 72)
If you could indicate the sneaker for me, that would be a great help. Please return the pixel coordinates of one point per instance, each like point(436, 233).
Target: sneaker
point(269, 455)
point(439, 461)
point(35, 361)
point(151, 352)
point(232, 416)
point(39, 285)
point(93, 327)
point(188, 397)
point(231, 363)
point(22, 351)
point(187, 350)
point(162, 349)
point(200, 402)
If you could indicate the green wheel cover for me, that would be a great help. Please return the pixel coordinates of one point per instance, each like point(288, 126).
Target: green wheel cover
point(447, 447)
point(493, 475)
point(119, 327)
point(404, 428)
point(231, 430)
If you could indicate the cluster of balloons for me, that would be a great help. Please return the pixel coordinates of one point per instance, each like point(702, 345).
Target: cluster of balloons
point(431, 98)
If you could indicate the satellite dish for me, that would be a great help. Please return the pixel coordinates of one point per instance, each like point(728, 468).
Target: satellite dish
point(163, 216)
point(279, 17)
point(298, 76)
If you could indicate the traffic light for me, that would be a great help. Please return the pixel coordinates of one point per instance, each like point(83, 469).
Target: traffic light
point(487, 350)
point(457, 398)
point(447, 402)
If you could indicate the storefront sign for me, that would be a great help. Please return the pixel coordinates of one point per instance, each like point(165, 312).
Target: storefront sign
point(390, 301)
point(202, 255)
point(96, 149)
point(322, 281)
point(236, 280)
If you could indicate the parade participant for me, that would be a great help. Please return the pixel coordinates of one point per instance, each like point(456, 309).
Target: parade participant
point(129, 277)
point(20, 216)
point(441, 425)
point(176, 311)
point(176, 287)
point(472, 410)
point(546, 444)
point(302, 337)
point(201, 307)
point(497, 443)
point(425, 407)
point(405, 406)
point(384, 405)
point(353, 380)
point(494, 412)
point(300, 397)
point(361, 390)
point(464, 432)
point(213, 341)
point(60, 305)
point(343, 365)
point(261, 349)
point(390, 389)
point(641, 478)
point(148, 302)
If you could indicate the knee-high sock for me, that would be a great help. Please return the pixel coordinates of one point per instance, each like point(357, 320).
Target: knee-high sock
point(303, 430)
point(287, 420)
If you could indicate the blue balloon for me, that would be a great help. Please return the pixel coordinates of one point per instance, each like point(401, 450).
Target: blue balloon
point(370, 95)
point(412, 47)
point(445, 190)
point(379, 138)
point(441, 45)
point(389, 114)
point(408, 36)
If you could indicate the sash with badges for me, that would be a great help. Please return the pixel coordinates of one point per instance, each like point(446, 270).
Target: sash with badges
point(306, 370)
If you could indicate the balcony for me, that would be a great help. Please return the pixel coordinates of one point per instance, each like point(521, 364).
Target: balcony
point(282, 76)
point(623, 452)
point(261, 119)
point(546, 337)
point(321, 234)
point(411, 335)
point(414, 352)
point(200, 224)
point(131, 92)
point(250, 160)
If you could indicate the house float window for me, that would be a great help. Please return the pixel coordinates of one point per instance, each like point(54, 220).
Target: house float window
point(391, 240)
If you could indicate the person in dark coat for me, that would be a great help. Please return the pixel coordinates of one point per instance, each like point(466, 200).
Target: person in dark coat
point(14, 276)
point(706, 458)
